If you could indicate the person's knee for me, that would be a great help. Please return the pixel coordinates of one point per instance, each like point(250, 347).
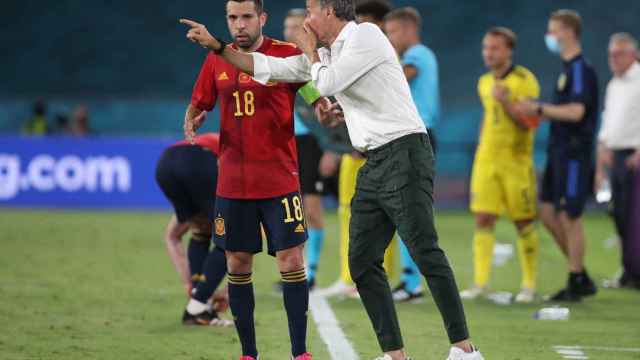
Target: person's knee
point(485, 221)
point(524, 226)
point(290, 259)
point(239, 263)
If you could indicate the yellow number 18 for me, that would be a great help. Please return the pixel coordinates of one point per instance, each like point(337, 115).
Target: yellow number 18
point(249, 104)
point(297, 210)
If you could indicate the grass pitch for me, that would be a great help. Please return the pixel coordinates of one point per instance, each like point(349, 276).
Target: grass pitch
point(100, 286)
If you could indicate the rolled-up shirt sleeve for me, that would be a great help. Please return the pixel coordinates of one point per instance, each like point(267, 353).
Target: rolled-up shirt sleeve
point(292, 69)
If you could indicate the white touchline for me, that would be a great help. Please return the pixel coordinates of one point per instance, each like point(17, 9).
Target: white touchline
point(571, 352)
point(598, 348)
point(329, 328)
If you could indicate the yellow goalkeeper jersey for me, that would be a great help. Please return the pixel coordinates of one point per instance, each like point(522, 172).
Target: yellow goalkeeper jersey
point(500, 135)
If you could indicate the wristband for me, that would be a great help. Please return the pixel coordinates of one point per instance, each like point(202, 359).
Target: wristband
point(540, 110)
point(223, 45)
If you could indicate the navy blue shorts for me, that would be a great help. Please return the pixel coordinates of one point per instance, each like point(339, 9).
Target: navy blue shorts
point(188, 175)
point(237, 224)
point(567, 183)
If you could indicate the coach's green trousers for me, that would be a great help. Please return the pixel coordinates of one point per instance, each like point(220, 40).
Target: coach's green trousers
point(394, 191)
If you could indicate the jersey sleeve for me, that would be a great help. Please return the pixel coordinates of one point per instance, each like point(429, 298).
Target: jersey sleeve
point(412, 58)
point(584, 88)
point(530, 88)
point(309, 93)
point(205, 94)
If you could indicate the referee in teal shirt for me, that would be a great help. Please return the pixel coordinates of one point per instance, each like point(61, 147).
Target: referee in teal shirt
point(421, 69)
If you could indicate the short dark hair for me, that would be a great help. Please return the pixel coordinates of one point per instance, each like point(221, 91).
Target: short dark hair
point(377, 9)
point(570, 19)
point(405, 14)
point(258, 3)
point(510, 37)
point(344, 9)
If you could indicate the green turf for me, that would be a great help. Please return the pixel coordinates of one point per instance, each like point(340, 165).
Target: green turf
point(99, 286)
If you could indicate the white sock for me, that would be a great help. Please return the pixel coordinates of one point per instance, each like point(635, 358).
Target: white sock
point(195, 307)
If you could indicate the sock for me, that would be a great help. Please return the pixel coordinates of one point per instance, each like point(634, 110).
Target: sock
point(214, 270)
point(528, 250)
point(195, 307)
point(295, 291)
point(242, 304)
point(483, 241)
point(197, 253)
point(314, 249)
point(410, 272)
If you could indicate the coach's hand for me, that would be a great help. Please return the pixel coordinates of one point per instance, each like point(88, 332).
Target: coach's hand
point(192, 124)
point(307, 40)
point(198, 33)
point(328, 114)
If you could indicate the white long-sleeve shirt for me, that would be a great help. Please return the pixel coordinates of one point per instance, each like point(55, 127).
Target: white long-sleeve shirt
point(621, 116)
point(362, 71)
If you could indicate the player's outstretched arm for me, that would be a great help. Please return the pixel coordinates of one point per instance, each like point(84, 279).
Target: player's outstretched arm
point(199, 34)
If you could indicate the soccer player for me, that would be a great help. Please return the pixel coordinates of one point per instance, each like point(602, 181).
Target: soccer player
point(187, 174)
point(395, 186)
point(503, 180)
point(309, 155)
point(567, 178)
point(420, 67)
point(260, 183)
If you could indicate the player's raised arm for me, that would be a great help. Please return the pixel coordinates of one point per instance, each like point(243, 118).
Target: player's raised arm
point(199, 34)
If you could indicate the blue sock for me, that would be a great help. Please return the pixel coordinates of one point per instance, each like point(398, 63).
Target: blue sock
point(410, 272)
point(295, 291)
point(214, 270)
point(242, 304)
point(197, 253)
point(314, 249)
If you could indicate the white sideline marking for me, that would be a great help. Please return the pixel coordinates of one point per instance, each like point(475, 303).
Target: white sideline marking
point(598, 348)
point(329, 328)
point(571, 352)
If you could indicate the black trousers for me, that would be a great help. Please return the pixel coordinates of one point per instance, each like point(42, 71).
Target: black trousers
point(623, 193)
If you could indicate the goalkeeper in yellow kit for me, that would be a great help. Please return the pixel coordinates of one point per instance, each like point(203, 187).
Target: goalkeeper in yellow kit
point(503, 180)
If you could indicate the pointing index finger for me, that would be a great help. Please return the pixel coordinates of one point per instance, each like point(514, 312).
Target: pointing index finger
point(190, 23)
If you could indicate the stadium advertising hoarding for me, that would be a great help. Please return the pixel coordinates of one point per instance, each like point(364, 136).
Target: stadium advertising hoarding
point(67, 172)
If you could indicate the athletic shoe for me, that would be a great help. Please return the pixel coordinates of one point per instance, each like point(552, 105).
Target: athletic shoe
point(205, 318)
point(565, 295)
point(305, 356)
point(526, 296)
point(458, 354)
point(622, 280)
point(247, 357)
point(473, 293)
point(586, 286)
point(387, 357)
point(402, 294)
point(339, 289)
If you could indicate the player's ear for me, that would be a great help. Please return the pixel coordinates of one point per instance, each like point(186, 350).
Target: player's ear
point(263, 18)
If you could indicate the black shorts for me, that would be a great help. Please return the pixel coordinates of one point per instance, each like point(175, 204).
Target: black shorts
point(188, 176)
point(567, 183)
point(237, 224)
point(309, 155)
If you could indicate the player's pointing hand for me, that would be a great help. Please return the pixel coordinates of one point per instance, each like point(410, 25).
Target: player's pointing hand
point(199, 34)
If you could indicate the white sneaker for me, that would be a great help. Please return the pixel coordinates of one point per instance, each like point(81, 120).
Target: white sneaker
point(526, 296)
point(473, 293)
point(339, 288)
point(387, 357)
point(458, 354)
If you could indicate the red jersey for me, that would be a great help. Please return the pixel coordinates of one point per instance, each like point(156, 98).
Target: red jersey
point(257, 156)
point(210, 141)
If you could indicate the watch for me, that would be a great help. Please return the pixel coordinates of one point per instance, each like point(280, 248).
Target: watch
point(223, 45)
point(540, 109)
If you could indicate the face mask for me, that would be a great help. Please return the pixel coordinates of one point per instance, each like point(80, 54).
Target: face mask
point(553, 44)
